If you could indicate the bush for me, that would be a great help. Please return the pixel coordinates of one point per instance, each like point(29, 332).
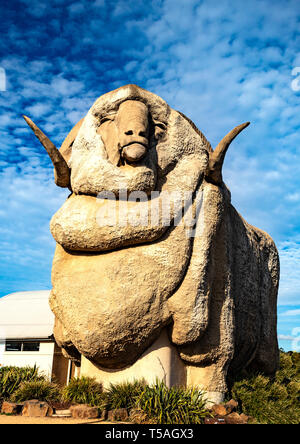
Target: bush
point(175, 405)
point(83, 390)
point(41, 390)
point(122, 395)
point(271, 400)
point(12, 377)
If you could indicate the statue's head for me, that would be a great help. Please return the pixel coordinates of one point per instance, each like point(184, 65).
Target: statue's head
point(118, 142)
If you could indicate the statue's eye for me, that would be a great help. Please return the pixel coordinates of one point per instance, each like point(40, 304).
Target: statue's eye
point(108, 118)
point(159, 129)
point(160, 125)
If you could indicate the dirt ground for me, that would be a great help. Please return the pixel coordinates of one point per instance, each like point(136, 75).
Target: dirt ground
point(17, 419)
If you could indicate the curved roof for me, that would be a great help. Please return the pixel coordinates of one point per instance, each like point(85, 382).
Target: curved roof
point(26, 315)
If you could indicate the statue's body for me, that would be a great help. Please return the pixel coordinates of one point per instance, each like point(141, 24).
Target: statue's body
point(117, 286)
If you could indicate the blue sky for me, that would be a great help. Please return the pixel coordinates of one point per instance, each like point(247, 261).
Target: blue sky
point(220, 62)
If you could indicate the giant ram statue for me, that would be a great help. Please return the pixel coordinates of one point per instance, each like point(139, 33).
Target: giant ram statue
point(203, 276)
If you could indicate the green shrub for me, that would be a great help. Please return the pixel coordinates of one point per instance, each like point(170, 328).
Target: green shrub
point(41, 390)
point(83, 390)
point(175, 405)
point(122, 395)
point(12, 377)
point(271, 400)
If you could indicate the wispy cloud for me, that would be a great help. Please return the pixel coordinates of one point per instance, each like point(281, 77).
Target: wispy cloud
point(221, 63)
point(291, 313)
point(286, 337)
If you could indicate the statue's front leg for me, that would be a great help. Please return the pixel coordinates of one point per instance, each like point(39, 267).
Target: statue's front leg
point(211, 379)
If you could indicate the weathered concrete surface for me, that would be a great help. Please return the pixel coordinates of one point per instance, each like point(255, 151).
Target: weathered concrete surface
point(160, 361)
point(116, 287)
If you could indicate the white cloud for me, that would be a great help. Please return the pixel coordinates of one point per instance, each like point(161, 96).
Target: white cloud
point(286, 337)
point(77, 8)
point(289, 288)
point(39, 109)
point(64, 87)
point(291, 313)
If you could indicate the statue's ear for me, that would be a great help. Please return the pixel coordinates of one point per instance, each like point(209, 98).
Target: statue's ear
point(216, 158)
point(66, 147)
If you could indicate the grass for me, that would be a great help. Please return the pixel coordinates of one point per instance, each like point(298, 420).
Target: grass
point(175, 405)
point(158, 403)
point(271, 400)
point(83, 390)
point(41, 390)
point(122, 395)
point(12, 377)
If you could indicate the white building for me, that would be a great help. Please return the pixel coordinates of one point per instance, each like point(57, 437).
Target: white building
point(26, 335)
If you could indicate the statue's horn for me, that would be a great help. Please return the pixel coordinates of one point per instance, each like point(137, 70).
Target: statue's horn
point(61, 169)
point(216, 158)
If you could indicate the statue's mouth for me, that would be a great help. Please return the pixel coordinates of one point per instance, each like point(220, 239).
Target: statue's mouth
point(134, 151)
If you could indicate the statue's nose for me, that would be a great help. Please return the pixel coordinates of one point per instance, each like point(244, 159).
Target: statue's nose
point(133, 124)
point(135, 129)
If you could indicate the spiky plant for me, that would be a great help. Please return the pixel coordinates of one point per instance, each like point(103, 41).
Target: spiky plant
point(175, 405)
point(12, 377)
point(123, 395)
point(41, 390)
point(83, 390)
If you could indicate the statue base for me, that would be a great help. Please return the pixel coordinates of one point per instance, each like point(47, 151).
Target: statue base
point(160, 361)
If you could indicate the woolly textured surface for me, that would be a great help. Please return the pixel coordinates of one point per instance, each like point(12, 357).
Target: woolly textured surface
point(115, 288)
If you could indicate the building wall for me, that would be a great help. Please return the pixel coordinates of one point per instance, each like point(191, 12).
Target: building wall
point(61, 368)
point(42, 359)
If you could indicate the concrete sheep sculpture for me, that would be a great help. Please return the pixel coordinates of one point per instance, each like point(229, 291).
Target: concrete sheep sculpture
point(117, 286)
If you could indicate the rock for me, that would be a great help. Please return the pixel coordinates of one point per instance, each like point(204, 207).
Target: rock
point(118, 415)
point(231, 406)
point(219, 410)
point(84, 411)
point(235, 418)
point(245, 418)
point(9, 408)
point(36, 409)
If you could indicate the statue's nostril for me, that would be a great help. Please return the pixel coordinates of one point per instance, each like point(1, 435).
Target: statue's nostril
point(129, 133)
